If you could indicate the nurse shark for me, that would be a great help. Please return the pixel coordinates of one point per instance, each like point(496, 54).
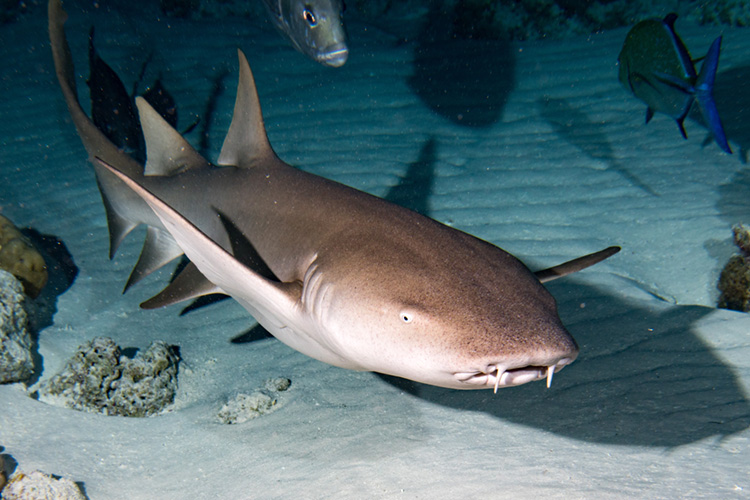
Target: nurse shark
point(337, 274)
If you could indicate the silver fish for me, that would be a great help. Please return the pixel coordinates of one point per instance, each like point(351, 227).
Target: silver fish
point(314, 27)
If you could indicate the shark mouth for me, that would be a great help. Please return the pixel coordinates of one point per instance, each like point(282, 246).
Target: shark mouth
point(497, 376)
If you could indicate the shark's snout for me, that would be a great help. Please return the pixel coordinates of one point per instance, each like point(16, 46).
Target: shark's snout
point(509, 374)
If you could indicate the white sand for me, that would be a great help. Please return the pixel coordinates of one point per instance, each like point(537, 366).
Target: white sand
point(656, 406)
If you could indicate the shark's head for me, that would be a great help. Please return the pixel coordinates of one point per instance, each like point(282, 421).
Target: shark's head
point(316, 29)
point(460, 316)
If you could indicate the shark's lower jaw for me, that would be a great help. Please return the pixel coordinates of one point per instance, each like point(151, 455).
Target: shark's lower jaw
point(496, 376)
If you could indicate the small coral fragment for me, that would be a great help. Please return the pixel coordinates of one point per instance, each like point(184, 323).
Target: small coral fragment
point(278, 384)
point(19, 257)
point(244, 407)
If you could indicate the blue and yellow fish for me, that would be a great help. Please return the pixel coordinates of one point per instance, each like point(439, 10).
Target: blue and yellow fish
point(656, 67)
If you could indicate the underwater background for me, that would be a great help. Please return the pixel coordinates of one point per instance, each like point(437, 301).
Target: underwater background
point(503, 119)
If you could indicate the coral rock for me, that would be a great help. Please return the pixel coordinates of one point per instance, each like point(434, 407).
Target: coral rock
point(734, 285)
point(734, 281)
point(148, 382)
point(3, 476)
point(100, 379)
point(40, 486)
point(16, 362)
point(19, 257)
point(742, 239)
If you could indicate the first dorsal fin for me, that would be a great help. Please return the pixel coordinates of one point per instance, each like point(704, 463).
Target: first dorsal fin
point(246, 142)
point(167, 152)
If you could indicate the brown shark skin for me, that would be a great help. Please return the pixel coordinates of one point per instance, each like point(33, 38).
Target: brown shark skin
point(362, 283)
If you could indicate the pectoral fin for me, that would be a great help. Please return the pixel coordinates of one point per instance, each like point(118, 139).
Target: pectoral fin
point(575, 265)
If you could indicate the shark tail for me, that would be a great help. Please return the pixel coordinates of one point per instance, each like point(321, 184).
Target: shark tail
point(118, 207)
point(124, 209)
point(704, 87)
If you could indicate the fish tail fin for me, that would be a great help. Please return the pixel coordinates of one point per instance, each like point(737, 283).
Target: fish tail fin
point(681, 125)
point(704, 88)
point(670, 19)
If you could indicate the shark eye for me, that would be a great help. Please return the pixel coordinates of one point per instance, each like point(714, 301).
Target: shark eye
point(309, 16)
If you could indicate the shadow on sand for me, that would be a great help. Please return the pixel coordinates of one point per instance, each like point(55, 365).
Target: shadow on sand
point(414, 188)
point(467, 81)
point(578, 129)
point(644, 378)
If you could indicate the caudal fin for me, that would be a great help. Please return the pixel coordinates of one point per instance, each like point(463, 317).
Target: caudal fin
point(704, 88)
point(125, 209)
point(121, 205)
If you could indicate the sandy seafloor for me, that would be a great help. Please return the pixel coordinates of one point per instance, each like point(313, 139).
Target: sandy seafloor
point(657, 404)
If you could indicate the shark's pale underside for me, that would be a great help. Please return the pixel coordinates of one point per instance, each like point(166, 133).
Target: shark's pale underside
point(340, 275)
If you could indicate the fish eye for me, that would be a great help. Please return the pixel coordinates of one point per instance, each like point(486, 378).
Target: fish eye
point(407, 317)
point(309, 16)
